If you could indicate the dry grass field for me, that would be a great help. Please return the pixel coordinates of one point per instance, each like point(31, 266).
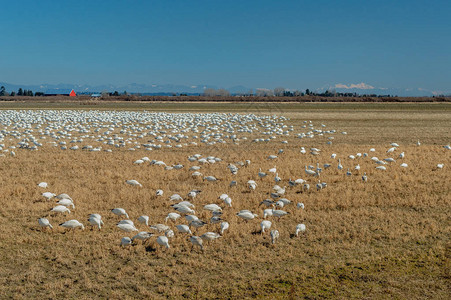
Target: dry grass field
point(389, 237)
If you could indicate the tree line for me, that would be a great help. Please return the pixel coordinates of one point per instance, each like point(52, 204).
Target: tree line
point(283, 92)
point(210, 92)
point(20, 92)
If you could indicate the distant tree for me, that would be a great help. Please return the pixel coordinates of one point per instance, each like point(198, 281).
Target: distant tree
point(223, 93)
point(12, 93)
point(219, 92)
point(209, 92)
point(251, 92)
point(20, 92)
point(264, 92)
point(115, 93)
point(29, 93)
point(279, 91)
point(2, 91)
point(298, 93)
point(39, 94)
point(124, 93)
point(307, 92)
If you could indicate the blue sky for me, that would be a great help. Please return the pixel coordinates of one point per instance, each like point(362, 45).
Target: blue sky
point(294, 44)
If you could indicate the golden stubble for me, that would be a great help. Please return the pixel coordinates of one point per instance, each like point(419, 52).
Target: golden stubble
point(390, 235)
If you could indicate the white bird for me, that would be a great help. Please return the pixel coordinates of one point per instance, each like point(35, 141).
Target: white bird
point(191, 218)
point(299, 181)
point(285, 201)
point(340, 166)
point(184, 209)
point(252, 184)
point(197, 223)
point(391, 150)
point(175, 197)
point(265, 224)
point(143, 235)
point(126, 241)
point(233, 183)
point(309, 172)
point(273, 170)
point(43, 184)
point(357, 167)
point(348, 173)
point(94, 221)
point(183, 228)
point(66, 202)
point(223, 196)
point(394, 145)
point(212, 207)
point(224, 227)
point(173, 216)
point(43, 222)
point(267, 212)
point(404, 165)
point(126, 222)
point(119, 212)
point(277, 178)
point(210, 236)
point(210, 178)
point(228, 201)
point(274, 236)
point(60, 209)
point(448, 147)
point(193, 193)
point(364, 177)
point(418, 143)
point(401, 155)
point(163, 241)
point(197, 241)
point(440, 166)
point(144, 219)
point(160, 227)
point(48, 195)
point(159, 192)
point(72, 224)
point(300, 228)
point(279, 213)
point(127, 227)
point(246, 215)
point(96, 216)
point(63, 196)
point(133, 182)
point(381, 168)
point(333, 155)
point(300, 205)
point(261, 174)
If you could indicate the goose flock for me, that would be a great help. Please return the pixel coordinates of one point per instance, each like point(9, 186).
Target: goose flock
point(111, 131)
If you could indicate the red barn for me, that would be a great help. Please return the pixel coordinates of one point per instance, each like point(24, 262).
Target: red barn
point(72, 93)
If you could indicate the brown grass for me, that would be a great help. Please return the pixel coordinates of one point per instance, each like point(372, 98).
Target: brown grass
point(389, 237)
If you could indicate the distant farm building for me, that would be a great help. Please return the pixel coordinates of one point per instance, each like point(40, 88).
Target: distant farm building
point(60, 92)
point(96, 95)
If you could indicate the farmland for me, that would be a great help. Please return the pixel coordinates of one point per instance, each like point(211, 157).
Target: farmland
point(387, 237)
